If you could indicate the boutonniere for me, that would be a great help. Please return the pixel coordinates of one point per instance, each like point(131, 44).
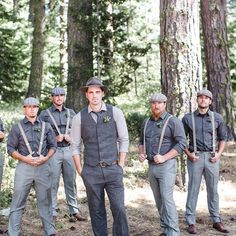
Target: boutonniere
point(106, 119)
point(37, 129)
point(159, 124)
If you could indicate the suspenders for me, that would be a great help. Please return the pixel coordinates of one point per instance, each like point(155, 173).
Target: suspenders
point(213, 134)
point(161, 137)
point(27, 142)
point(55, 124)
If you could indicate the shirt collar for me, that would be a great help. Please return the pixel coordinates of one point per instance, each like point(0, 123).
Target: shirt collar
point(163, 116)
point(103, 108)
point(55, 109)
point(197, 113)
point(25, 120)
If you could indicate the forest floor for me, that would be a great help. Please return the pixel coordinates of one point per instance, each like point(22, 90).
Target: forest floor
point(141, 209)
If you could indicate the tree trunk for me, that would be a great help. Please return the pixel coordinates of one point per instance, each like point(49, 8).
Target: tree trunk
point(180, 54)
point(213, 13)
point(180, 60)
point(37, 9)
point(63, 42)
point(80, 50)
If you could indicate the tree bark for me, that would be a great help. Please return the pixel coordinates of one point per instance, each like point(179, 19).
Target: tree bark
point(180, 54)
point(80, 50)
point(213, 14)
point(63, 42)
point(37, 9)
point(180, 60)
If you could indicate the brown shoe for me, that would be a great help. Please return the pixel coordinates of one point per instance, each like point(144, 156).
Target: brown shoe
point(192, 229)
point(77, 217)
point(220, 227)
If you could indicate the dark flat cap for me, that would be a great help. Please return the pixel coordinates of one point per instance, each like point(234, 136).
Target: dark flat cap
point(204, 92)
point(158, 97)
point(94, 81)
point(58, 91)
point(30, 101)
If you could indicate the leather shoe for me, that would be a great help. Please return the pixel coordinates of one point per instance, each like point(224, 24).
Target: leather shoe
point(192, 229)
point(220, 227)
point(162, 234)
point(77, 217)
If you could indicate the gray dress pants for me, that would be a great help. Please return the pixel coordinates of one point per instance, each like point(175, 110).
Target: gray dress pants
point(97, 180)
point(210, 171)
point(27, 176)
point(62, 164)
point(162, 180)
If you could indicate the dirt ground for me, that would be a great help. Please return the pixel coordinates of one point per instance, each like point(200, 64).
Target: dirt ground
point(141, 209)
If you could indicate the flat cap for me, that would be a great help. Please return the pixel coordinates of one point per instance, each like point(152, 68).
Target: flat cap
point(158, 97)
point(30, 101)
point(58, 91)
point(94, 81)
point(204, 92)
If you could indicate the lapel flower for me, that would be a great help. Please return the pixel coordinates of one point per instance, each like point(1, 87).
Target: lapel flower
point(106, 119)
point(159, 124)
point(37, 129)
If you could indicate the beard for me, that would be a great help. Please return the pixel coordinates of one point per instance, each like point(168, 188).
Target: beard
point(156, 114)
point(203, 106)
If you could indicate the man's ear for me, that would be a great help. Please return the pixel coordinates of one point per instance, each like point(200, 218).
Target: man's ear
point(50, 97)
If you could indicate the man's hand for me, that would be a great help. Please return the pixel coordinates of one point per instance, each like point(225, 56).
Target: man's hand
point(193, 158)
point(1, 135)
point(30, 160)
point(215, 158)
point(142, 157)
point(159, 159)
point(40, 160)
point(67, 138)
point(59, 138)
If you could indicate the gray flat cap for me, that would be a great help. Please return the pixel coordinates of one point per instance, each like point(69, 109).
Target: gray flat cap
point(58, 91)
point(30, 101)
point(94, 81)
point(158, 97)
point(204, 92)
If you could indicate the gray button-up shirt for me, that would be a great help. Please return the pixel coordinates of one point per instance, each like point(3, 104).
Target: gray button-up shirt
point(16, 141)
point(61, 121)
point(203, 127)
point(123, 137)
point(174, 136)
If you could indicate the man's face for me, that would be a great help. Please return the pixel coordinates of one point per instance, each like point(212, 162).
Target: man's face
point(94, 95)
point(158, 108)
point(31, 111)
point(58, 100)
point(203, 101)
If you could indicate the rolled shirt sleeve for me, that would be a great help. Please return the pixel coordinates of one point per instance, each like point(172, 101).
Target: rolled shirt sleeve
point(51, 138)
point(76, 135)
point(179, 135)
point(122, 130)
point(12, 141)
